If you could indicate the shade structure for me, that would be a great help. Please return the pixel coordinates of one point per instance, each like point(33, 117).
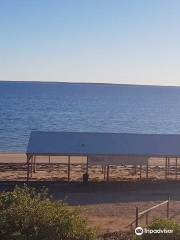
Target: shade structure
point(109, 144)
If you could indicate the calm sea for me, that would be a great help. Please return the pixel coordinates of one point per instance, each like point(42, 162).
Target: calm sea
point(84, 107)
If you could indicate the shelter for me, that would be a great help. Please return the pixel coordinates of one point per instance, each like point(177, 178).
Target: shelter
point(115, 147)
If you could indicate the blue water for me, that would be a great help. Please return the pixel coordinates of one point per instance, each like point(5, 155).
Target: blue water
point(84, 107)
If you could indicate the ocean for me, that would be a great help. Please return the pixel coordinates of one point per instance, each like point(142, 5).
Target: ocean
point(84, 107)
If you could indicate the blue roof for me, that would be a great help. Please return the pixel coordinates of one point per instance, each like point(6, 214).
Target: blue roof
point(93, 143)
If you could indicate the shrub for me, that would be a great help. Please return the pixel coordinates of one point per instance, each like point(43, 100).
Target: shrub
point(27, 214)
point(162, 224)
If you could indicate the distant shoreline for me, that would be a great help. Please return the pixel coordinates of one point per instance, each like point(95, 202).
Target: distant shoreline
point(87, 83)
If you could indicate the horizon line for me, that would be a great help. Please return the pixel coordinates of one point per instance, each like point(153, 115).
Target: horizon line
point(90, 83)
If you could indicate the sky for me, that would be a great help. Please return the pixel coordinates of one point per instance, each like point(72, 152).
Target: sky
point(109, 41)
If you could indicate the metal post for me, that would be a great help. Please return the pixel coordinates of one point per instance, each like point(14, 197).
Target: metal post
point(69, 169)
point(102, 169)
point(31, 165)
point(168, 207)
point(34, 164)
point(87, 165)
point(105, 168)
point(137, 212)
point(166, 169)
point(147, 215)
point(28, 166)
point(176, 169)
point(49, 163)
point(135, 169)
point(107, 173)
point(140, 172)
point(168, 165)
point(147, 170)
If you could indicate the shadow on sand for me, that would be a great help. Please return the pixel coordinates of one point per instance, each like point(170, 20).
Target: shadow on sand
point(100, 192)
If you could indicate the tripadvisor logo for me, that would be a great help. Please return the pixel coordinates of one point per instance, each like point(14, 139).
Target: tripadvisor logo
point(139, 231)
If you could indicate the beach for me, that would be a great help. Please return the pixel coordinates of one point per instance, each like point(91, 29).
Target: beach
point(13, 168)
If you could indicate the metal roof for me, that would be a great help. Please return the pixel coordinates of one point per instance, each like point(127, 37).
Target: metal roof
point(93, 143)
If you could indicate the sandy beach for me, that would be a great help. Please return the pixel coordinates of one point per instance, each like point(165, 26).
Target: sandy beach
point(13, 168)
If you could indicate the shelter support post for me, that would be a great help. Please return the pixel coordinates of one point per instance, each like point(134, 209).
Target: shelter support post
point(102, 169)
point(69, 168)
point(87, 166)
point(31, 165)
point(176, 168)
point(28, 166)
point(49, 163)
point(105, 168)
point(147, 169)
point(34, 164)
point(107, 173)
point(140, 174)
point(135, 169)
point(166, 168)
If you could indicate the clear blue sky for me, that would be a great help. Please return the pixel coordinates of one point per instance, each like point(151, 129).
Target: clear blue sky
point(116, 41)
